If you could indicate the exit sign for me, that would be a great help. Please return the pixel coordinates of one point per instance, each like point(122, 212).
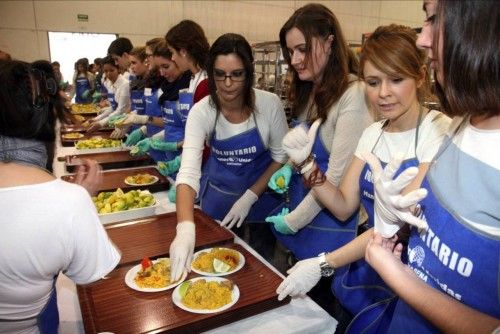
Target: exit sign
point(83, 18)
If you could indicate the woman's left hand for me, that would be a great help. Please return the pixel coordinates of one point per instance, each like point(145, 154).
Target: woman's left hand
point(240, 210)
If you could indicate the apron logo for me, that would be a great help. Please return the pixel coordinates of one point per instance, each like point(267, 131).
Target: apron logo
point(417, 255)
point(447, 256)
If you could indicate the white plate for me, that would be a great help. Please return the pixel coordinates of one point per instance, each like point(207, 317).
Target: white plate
point(240, 265)
point(155, 179)
point(129, 280)
point(67, 136)
point(176, 297)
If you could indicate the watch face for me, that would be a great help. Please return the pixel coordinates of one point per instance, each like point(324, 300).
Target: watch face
point(326, 270)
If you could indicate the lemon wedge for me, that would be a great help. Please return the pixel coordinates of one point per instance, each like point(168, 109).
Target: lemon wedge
point(220, 266)
point(183, 288)
point(280, 182)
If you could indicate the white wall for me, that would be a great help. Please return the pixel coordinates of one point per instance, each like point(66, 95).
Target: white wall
point(24, 24)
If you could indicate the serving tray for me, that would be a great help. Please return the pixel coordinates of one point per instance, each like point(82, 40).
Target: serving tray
point(109, 305)
point(109, 160)
point(71, 142)
point(113, 179)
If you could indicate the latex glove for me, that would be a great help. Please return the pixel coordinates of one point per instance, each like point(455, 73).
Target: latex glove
point(240, 210)
point(169, 167)
point(133, 118)
point(298, 142)
point(135, 136)
point(96, 125)
point(391, 208)
point(118, 133)
point(143, 146)
point(105, 112)
point(181, 249)
point(161, 145)
point(96, 97)
point(280, 223)
point(303, 276)
point(113, 120)
point(286, 173)
point(172, 194)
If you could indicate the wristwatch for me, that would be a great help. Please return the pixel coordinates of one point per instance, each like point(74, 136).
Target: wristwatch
point(326, 269)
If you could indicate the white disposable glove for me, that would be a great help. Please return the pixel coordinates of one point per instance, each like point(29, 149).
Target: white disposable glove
point(302, 277)
point(240, 210)
point(392, 209)
point(97, 125)
point(298, 142)
point(118, 133)
point(181, 249)
point(133, 118)
point(104, 113)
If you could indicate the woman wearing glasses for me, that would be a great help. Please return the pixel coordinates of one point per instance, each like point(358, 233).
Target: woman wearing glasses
point(244, 128)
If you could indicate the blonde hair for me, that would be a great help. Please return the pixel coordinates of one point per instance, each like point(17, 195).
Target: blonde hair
point(392, 49)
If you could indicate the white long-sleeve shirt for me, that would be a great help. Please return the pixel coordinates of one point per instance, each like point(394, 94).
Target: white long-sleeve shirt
point(121, 89)
point(271, 122)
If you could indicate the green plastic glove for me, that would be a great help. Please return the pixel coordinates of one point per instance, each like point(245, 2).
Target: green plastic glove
point(134, 137)
point(161, 145)
point(280, 179)
point(86, 94)
point(144, 146)
point(96, 97)
point(279, 222)
point(172, 194)
point(115, 118)
point(169, 167)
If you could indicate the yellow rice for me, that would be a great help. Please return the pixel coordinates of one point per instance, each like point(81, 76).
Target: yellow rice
point(203, 295)
point(204, 261)
point(159, 275)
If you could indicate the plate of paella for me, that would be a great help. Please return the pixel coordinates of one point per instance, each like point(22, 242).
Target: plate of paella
point(152, 276)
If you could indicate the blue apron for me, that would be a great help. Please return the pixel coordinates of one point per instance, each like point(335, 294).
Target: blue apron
point(234, 165)
point(137, 104)
point(453, 256)
point(357, 286)
point(325, 233)
point(82, 84)
point(176, 113)
point(111, 99)
point(152, 108)
point(48, 319)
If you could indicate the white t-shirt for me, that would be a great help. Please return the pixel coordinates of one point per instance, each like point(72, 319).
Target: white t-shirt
point(470, 188)
point(271, 122)
point(196, 79)
point(47, 228)
point(431, 131)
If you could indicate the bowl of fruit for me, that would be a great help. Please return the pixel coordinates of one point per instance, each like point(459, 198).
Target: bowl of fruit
point(114, 206)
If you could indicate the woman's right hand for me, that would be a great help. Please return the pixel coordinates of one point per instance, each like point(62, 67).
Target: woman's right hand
point(181, 249)
point(88, 175)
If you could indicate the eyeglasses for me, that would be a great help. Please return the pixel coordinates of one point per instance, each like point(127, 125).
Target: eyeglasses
point(236, 75)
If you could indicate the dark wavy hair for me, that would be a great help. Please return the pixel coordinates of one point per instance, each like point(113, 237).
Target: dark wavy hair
point(315, 20)
point(190, 36)
point(224, 45)
point(392, 49)
point(29, 100)
point(471, 57)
